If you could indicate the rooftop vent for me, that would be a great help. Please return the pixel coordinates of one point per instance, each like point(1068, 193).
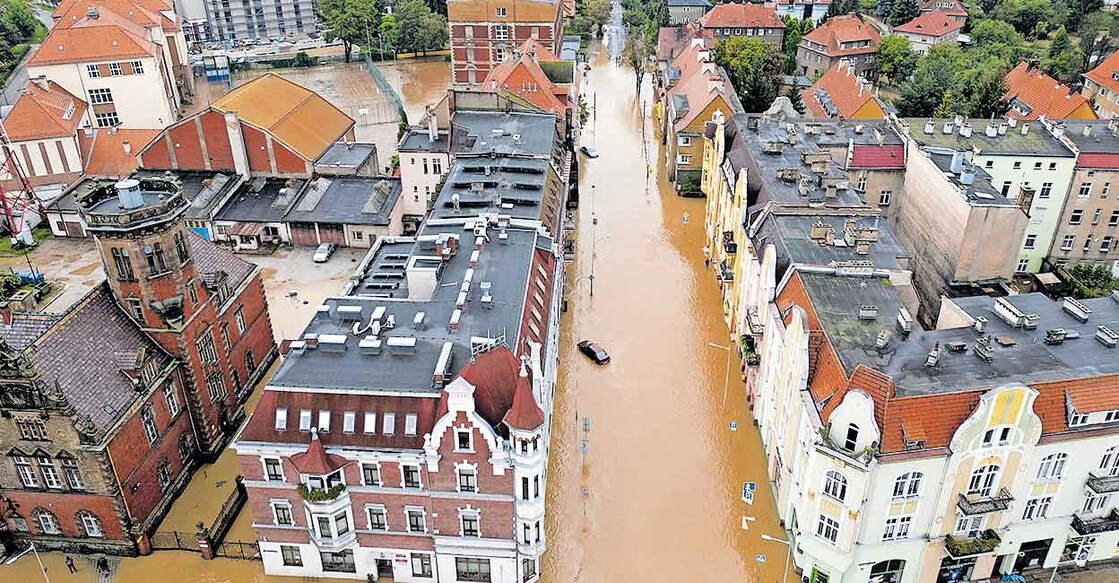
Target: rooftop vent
point(930, 126)
point(370, 345)
point(905, 321)
point(981, 324)
point(992, 130)
point(128, 191)
point(402, 345)
point(1077, 310)
point(957, 347)
point(882, 340)
point(984, 349)
point(349, 313)
point(967, 175)
point(332, 342)
point(788, 174)
point(1055, 336)
point(1030, 321)
point(822, 232)
point(443, 365)
point(868, 312)
point(1008, 313)
point(487, 299)
point(934, 355)
point(418, 321)
point(948, 128)
point(456, 316)
point(1107, 336)
point(771, 147)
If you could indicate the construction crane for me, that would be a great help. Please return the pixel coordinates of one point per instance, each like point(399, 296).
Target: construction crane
point(15, 204)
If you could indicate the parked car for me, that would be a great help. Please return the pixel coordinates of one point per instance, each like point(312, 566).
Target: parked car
point(594, 351)
point(323, 252)
point(588, 151)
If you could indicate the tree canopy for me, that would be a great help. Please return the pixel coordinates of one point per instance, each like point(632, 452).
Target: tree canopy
point(418, 28)
point(354, 22)
point(894, 59)
point(902, 11)
point(754, 69)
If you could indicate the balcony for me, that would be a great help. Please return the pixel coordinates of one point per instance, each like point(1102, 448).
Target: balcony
point(320, 496)
point(726, 274)
point(332, 543)
point(730, 247)
point(1103, 484)
point(1088, 525)
point(965, 546)
point(971, 505)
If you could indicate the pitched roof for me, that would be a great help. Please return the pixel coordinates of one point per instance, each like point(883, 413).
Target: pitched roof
point(541, 93)
point(884, 156)
point(742, 16)
point(81, 354)
point(956, 9)
point(1041, 94)
point(1106, 74)
point(104, 151)
point(935, 24)
point(699, 91)
point(843, 29)
point(210, 258)
point(298, 117)
point(81, 37)
point(25, 328)
point(524, 413)
point(50, 112)
point(494, 375)
point(841, 93)
point(315, 460)
point(539, 49)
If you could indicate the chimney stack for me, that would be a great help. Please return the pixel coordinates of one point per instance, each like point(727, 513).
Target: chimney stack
point(432, 125)
point(127, 147)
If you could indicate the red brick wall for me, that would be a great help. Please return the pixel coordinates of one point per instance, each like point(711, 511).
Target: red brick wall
point(135, 460)
point(256, 145)
point(158, 155)
point(288, 162)
point(188, 149)
point(257, 337)
point(218, 147)
point(65, 507)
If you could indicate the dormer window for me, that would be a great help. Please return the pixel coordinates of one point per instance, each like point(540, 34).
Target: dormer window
point(325, 482)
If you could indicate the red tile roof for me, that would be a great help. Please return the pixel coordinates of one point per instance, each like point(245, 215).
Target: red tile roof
point(845, 90)
point(494, 375)
point(1098, 160)
point(742, 16)
point(524, 414)
point(1106, 74)
point(42, 113)
point(844, 29)
point(78, 37)
point(935, 24)
point(104, 152)
point(1091, 395)
point(541, 92)
point(1044, 95)
point(315, 460)
point(885, 156)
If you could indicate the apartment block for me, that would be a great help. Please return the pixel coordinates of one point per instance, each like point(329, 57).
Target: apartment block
point(487, 33)
point(260, 19)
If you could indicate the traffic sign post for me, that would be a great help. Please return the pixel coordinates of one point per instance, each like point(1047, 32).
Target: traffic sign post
point(748, 489)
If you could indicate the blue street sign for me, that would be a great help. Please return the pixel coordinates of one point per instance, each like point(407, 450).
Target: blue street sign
point(734, 426)
point(748, 489)
point(759, 558)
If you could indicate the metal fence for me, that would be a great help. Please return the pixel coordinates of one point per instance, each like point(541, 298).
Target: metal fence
point(383, 83)
point(174, 541)
point(239, 550)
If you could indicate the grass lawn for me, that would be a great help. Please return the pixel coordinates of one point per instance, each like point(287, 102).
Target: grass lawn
point(38, 234)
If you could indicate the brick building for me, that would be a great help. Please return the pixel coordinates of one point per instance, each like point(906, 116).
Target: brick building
point(1033, 94)
point(406, 433)
point(1101, 85)
point(749, 20)
point(846, 36)
point(267, 127)
point(109, 406)
point(486, 33)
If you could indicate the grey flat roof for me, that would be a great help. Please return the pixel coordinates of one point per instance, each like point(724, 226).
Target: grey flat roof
point(1029, 360)
point(263, 200)
point(837, 299)
point(351, 201)
point(1036, 142)
point(790, 234)
point(346, 154)
point(981, 191)
point(504, 133)
point(1099, 140)
point(504, 264)
point(689, 3)
point(507, 185)
point(416, 140)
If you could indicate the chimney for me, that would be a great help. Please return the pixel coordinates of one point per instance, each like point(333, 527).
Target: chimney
point(1059, 130)
point(930, 126)
point(949, 127)
point(1012, 122)
point(965, 129)
point(1025, 128)
point(957, 162)
point(432, 125)
point(1002, 129)
point(1087, 130)
point(127, 147)
point(992, 130)
point(967, 175)
point(42, 82)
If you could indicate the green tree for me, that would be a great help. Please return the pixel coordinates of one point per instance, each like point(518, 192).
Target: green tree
point(882, 9)
point(894, 58)
point(351, 21)
point(420, 29)
point(1097, 32)
point(754, 69)
point(902, 11)
point(389, 30)
point(1064, 59)
point(840, 7)
point(794, 31)
point(636, 53)
point(17, 23)
point(982, 87)
point(795, 96)
point(591, 16)
point(933, 77)
point(1024, 15)
point(997, 39)
point(1078, 9)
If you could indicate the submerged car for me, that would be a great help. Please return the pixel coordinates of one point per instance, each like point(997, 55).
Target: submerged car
point(588, 151)
point(323, 252)
point(594, 351)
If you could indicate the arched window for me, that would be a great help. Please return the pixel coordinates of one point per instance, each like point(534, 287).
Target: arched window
point(982, 481)
point(1109, 465)
point(1052, 466)
point(89, 524)
point(887, 571)
point(47, 522)
point(907, 485)
point(852, 437)
point(999, 436)
point(835, 485)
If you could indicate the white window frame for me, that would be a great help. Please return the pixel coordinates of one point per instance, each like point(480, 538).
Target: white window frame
point(835, 485)
point(682, 140)
point(388, 423)
point(464, 471)
point(281, 419)
point(26, 472)
point(970, 526)
point(370, 510)
point(264, 468)
point(469, 440)
point(92, 71)
point(897, 527)
point(115, 70)
point(137, 67)
point(275, 505)
point(304, 419)
point(825, 526)
point(349, 420)
point(375, 465)
point(1052, 467)
point(410, 422)
point(369, 423)
point(1037, 508)
point(910, 485)
point(465, 513)
point(983, 480)
point(324, 421)
point(419, 476)
point(91, 525)
point(408, 510)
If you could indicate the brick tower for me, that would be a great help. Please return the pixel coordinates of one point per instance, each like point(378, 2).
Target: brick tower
point(149, 258)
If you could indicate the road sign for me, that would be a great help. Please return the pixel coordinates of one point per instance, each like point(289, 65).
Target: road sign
point(685, 218)
point(759, 558)
point(748, 489)
point(734, 426)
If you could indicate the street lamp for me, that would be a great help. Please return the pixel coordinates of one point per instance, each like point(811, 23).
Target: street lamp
point(788, 553)
point(594, 253)
point(726, 376)
point(31, 549)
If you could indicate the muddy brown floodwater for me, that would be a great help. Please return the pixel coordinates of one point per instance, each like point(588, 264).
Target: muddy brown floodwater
point(657, 495)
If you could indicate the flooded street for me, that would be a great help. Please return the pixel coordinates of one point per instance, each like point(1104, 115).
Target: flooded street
point(657, 495)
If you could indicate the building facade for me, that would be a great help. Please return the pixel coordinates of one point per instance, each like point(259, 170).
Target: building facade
point(749, 20)
point(1101, 86)
point(484, 33)
point(1088, 229)
point(260, 19)
point(684, 11)
point(929, 29)
point(128, 62)
point(840, 37)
